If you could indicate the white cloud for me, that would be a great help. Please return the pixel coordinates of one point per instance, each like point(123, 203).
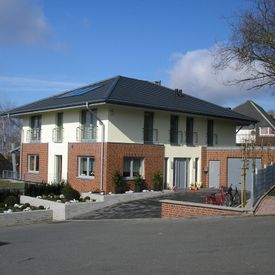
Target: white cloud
point(22, 90)
point(193, 73)
point(22, 22)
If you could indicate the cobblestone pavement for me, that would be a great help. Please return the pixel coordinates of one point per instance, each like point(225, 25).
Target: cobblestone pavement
point(146, 208)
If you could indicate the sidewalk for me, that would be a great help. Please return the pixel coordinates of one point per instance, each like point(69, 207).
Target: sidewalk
point(267, 205)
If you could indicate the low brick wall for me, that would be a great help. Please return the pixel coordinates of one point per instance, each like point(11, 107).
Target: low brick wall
point(28, 217)
point(173, 209)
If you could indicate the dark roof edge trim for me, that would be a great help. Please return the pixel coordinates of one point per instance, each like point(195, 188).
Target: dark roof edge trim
point(179, 111)
point(55, 109)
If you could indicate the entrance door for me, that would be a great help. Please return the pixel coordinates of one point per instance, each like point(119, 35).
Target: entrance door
point(181, 172)
point(214, 173)
point(58, 168)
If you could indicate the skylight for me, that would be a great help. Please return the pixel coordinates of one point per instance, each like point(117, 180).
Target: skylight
point(80, 91)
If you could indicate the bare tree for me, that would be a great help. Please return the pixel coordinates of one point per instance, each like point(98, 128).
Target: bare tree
point(251, 48)
point(10, 129)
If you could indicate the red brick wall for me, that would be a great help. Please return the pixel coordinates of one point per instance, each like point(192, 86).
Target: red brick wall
point(76, 150)
point(114, 154)
point(40, 149)
point(222, 155)
point(153, 160)
point(174, 210)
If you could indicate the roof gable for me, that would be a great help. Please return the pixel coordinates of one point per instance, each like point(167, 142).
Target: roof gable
point(251, 109)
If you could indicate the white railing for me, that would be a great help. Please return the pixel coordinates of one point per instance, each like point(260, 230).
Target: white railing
point(86, 134)
point(34, 135)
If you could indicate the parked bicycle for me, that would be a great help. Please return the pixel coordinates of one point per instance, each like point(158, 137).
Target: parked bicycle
point(229, 198)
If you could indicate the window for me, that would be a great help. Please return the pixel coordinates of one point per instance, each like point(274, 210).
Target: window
point(267, 131)
point(210, 132)
point(174, 121)
point(86, 167)
point(148, 134)
point(35, 132)
point(132, 167)
point(59, 120)
point(189, 131)
point(33, 163)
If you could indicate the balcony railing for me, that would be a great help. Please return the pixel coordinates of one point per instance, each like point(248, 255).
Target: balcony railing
point(176, 137)
point(150, 136)
point(86, 134)
point(192, 138)
point(243, 138)
point(34, 135)
point(57, 134)
point(212, 141)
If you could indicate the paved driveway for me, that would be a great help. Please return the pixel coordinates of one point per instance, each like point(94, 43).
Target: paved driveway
point(146, 208)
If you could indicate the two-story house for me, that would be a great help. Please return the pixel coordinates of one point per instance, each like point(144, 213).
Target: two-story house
point(263, 132)
point(137, 127)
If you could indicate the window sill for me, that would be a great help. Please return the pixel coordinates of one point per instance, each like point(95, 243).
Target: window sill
point(33, 172)
point(86, 177)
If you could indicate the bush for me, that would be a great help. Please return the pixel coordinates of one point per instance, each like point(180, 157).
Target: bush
point(157, 181)
point(70, 193)
point(40, 189)
point(139, 183)
point(11, 200)
point(120, 186)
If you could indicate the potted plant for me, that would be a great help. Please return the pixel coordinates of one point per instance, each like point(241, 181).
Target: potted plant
point(157, 181)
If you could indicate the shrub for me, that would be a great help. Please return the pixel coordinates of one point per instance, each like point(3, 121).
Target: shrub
point(11, 200)
point(118, 183)
point(139, 183)
point(157, 181)
point(70, 193)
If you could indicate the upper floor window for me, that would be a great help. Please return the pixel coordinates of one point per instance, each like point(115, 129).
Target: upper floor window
point(57, 134)
point(34, 134)
point(267, 131)
point(86, 167)
point(189, 131)
point(174, 133)
point(33, 163)
point(132, 167)
point(59, 120)
point(87, 118)
point(148, 131)
point(210, 132)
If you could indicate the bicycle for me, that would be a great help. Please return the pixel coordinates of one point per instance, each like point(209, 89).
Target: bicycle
point(218, 198)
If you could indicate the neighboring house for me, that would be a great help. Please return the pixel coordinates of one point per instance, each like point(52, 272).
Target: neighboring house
point(263, 132)
point(134, 126)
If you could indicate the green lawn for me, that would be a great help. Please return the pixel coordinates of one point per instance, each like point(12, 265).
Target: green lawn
point(5, 184)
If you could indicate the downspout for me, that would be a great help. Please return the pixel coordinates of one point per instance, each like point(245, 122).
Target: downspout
point(102, 144)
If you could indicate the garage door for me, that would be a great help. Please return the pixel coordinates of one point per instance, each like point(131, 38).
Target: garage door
point(234, 166)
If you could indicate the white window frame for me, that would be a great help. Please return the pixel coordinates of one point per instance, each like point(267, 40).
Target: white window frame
point(141, 169)
point(35, 160)
point(87, 168)
point(270, 132)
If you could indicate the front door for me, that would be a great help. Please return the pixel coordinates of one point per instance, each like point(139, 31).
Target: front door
point(214, 173)
point(58, 168)
point(181, 172)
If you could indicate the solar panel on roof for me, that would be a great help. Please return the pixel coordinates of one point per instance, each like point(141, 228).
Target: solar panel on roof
point(80, 91)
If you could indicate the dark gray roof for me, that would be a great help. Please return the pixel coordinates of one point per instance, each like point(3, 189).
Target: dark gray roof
point(133, 92)
point(251, 109)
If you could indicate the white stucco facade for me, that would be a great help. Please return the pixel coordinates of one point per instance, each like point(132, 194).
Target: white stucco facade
point(125, 125)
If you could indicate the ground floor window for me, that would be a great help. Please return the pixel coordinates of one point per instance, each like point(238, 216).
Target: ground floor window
point(33, 163)
point(132, 167)
point(86, 167)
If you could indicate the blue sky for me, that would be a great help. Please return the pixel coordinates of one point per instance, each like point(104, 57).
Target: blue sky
point(50, 46)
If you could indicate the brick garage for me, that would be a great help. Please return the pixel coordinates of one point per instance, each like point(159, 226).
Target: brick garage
point(175, 209)
point(222, 155)
point(40, 149)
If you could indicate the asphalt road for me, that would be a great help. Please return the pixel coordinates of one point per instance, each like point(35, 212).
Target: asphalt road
point(223, 245)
